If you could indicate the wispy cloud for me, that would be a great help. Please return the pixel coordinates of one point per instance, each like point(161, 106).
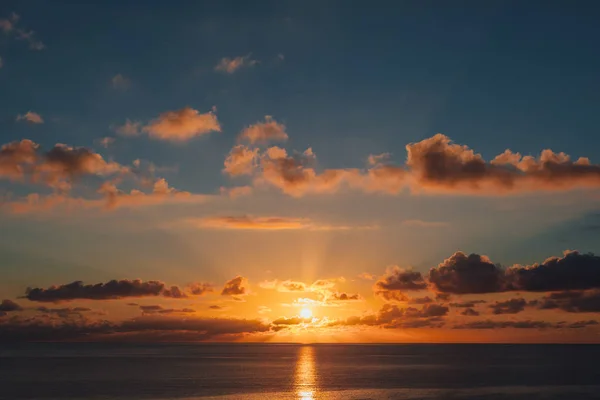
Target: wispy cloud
point(31, 117)
point(231, 65)
point(272, 223)
point(120, 82)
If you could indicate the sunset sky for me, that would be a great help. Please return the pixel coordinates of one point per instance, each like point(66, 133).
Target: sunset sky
point(300, 171)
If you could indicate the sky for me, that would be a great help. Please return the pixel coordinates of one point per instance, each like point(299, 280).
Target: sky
point(290, 171)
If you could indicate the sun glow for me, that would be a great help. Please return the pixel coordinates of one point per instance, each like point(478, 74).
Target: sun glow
point(306, 313)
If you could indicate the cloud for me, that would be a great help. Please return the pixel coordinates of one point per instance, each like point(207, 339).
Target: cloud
point(291, 286)
point(215, 307)
point(420, 300)
point(1, 62)
point(489, 324)
point(571, 301)
point(571, 272)
point(377, 159)
point(182, 125)
point(577, 324)
point(200, 288)
point(512, 306)
point(7, 25)
point(231, 65)
point(120, 82)
point(9, 306)
point(461, 274)
point(263, 132)
point(149, 328)
point(470, 312)
point(264, 310)
point(57, 167)
point(235, 192)
point(29, 37)
point(249, 222)
point(235, 287)
point(296, 175)
point(390, 316)
point(290, 321)
point(417, 223)
point(396, 280)
point(468, 304)
point(366, 276)
point(66, 312)
point(31, 117)
point(241, 160)
point(129, 128)
point(438, 164)
point(340, 296)
point(106, 142)
point(156, 309)
point(115, 289)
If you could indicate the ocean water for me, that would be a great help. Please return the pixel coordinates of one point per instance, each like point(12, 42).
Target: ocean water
point(303, 372)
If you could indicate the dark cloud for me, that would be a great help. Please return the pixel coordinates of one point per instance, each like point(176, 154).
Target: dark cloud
point(174, 292)
point(578, 324)
point(573, 271)
point(396, 281)
point(340, 296)
point(290, 321)
point(571, 301)
point(65, 312)
point(391, 316)
point(438, 164)
point(467, 304)
point(156, 309)
point(235, 287)
point(144, 328)
point(462, 274)
point(9, 306)
point(115, 289)
point(420, 300)
point(469, 312)
point(512, 306)
point(489, 324)
point(215, 307)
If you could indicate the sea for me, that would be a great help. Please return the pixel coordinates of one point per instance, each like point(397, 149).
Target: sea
point(303, 372)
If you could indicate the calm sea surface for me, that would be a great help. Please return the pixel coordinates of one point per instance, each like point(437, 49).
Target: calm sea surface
point(272, 371)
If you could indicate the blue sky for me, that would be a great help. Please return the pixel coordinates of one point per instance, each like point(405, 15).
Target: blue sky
point(347, 80)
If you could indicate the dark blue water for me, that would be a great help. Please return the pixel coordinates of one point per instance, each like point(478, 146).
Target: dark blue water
point(274, 371)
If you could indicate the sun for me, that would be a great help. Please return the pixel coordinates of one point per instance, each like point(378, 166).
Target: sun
point(306, 313)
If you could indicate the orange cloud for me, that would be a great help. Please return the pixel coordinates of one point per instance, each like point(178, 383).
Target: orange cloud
point(182, 125)
point(241, 160)
point(129, 128)
point(263, 132)
point(249, 222)
point(230, 65)
point(31, 117)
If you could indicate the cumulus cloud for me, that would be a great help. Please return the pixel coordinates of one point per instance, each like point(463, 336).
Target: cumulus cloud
point(263, 132)
point(290, 321)
point(420, 300)
point(571, 272)
point(231, 65)
point(396, 280)
point(182, 125)
point(9, 306)
point(468, 304)
point(512, 306)
point(237, 286)
point(115, 289)
point(390, 316)
point(241, 160)
point(577, 301)
point(31, 117)
point(437, 163)
point(106, 142)
point(57, 167)
point(200, 288)
point(461, 274)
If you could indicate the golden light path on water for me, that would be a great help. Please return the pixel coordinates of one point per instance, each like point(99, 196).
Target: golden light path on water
point(306, 375)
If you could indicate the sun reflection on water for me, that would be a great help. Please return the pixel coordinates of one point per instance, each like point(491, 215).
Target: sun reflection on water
point(306, 375)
